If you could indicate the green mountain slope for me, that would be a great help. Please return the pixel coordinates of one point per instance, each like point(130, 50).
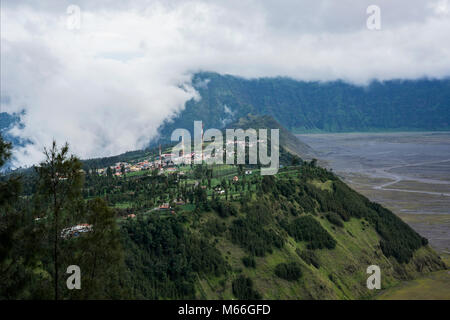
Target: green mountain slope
point(302, 234)
point(318, 107)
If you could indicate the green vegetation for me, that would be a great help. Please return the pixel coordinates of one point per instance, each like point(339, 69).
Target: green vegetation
point(36, 242)
point(243, 289)
point(319, 107)
point(164, 259)
point(249, 262)
point(434, 286)
point(334, 219)
point(289, 271)
point(307, 229)
point(301, 234)
point(309, 257)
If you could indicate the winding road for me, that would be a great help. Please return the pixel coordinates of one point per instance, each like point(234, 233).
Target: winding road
point(396, 178)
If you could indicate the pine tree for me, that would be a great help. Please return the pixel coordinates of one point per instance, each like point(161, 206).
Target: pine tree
point(59, 193)
point(11, 270)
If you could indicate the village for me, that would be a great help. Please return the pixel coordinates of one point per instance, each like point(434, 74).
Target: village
point(165, 162)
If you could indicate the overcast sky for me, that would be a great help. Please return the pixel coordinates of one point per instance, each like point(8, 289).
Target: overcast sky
point(106, 86)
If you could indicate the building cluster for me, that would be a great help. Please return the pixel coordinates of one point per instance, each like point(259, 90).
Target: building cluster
point(76, 230)
point(244, 143)
point(164, 163)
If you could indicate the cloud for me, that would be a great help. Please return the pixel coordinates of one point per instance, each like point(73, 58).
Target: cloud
point(107, 86)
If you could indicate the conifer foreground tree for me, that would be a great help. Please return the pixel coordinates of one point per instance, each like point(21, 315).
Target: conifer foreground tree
point(11, 274)
point(59, 205)
point(59, 192)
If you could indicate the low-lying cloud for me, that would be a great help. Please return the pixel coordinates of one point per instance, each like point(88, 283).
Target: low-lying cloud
point(107, 86)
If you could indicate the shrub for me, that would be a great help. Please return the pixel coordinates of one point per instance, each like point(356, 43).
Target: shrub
point(224, 208)
point(289, 271)
point(214, 227)
point(335, 219)
point(249, 262)
point(243, 289)
point(306, 228)
point(309, 257)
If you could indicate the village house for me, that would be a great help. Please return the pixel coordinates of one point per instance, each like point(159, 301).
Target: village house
point(164, 206)
point(76, 230)
point(171, 170)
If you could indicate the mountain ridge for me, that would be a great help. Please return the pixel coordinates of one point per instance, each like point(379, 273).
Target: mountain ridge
point(301, 106)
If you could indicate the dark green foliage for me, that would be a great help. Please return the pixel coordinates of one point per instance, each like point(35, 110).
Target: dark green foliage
point(313, 106)
point(268, 183)
point(204, 257)
point(334, 219)
point(224, 208)
point(243, 289)
point(309, 257)
point(306, 228)
point(16, 240)
point(289, 271)
point(37, 255)
point(100, 255)
point(9, 188)
point(163, 258)
point(254, 237)
point(163, 254)
point(214, 227)
point(254, 232)
point(249, 262)
point(399, 240)
point(59, 200)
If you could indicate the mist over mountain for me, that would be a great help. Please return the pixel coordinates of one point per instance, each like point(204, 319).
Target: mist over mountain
point(302, 106)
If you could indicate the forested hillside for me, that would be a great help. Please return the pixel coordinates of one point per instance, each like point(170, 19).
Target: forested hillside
point(300, 235)
point(203, 231)
point(319, 106)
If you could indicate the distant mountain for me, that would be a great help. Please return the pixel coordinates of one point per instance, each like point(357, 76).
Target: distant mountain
point(318, 107)
point(7, 120)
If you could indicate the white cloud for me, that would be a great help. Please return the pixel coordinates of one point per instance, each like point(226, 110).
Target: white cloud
point(107, 86)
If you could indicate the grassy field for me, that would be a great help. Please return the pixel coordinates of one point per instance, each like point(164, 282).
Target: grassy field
point(435, 286)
